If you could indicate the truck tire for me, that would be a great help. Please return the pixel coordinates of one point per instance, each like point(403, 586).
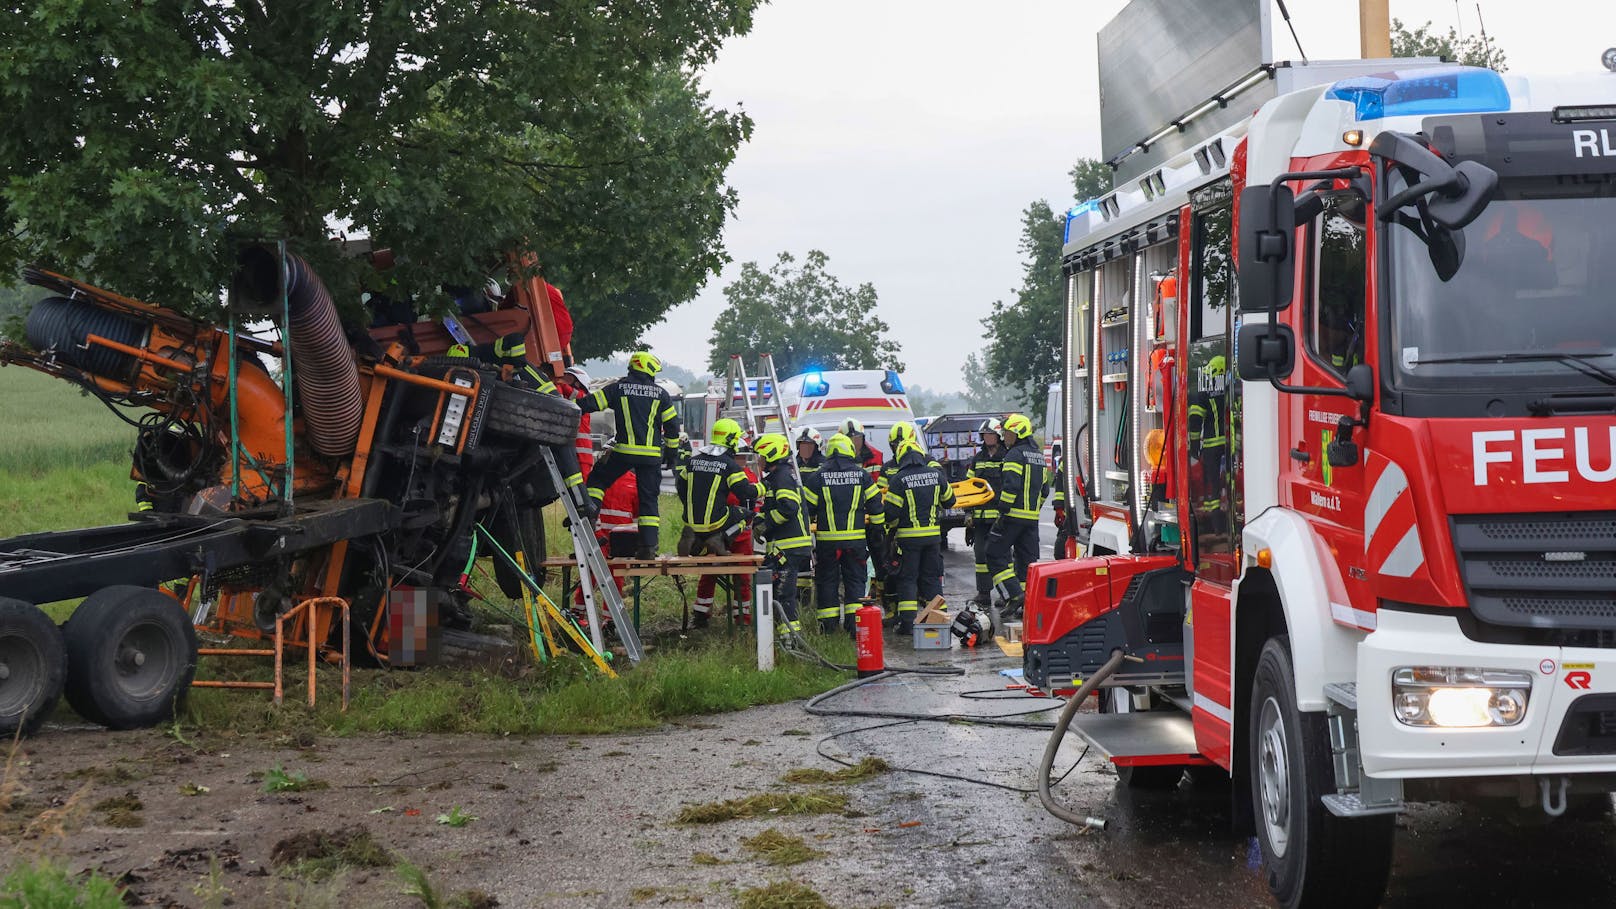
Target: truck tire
point(1139, 777)
point(33, 667)
point(1310, 856)
point(531, 416)
point(131, 654)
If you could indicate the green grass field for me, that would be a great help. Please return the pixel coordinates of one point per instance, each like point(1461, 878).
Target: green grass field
point(65, 463)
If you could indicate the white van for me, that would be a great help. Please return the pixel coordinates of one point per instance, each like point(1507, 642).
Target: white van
point(823, 399)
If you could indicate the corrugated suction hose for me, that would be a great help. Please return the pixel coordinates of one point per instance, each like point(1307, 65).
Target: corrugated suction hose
point(62, 325)
point(322, 360)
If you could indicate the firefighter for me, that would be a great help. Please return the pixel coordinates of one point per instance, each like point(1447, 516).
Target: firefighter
point(868, 457)
point(511, 350)
point(705, 482)
point(1208, 438)
point(647, 423)
point(917, 492)
point(1057, 498)
point(809, 451)
point(877, 536)
point(576, 388)
point(987, 464)
point(841, 500)
point(739, 543)
point(783, 524)
point(1013, 542)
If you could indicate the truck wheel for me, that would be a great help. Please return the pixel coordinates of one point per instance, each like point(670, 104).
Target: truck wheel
point(531, 416)
point(33, 666)
point(1310, 856)
point(131, 653)
point(1144, 777)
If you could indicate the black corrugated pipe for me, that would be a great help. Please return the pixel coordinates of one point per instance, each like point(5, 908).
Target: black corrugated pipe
point(322, 360)
point(62, 325)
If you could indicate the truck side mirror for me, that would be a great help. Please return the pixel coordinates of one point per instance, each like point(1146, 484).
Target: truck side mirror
point(1267, 266)
point(1361, 383)
point(1259, 352)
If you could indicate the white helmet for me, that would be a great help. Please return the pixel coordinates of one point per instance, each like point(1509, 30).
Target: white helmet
point(809, 434)
point(850, 426)
point(580, 376)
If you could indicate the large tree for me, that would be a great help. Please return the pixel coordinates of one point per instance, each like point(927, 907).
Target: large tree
point(1472, 50)
point(1023, 349)
point(147, 139)
point(804, 317)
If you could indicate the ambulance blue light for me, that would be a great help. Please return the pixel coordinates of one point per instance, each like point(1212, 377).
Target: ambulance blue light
point(1076, 211)
point(1423, 92)
point(814, 385)
point(893, 385)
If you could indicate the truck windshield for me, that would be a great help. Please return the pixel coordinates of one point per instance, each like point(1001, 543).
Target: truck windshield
point(1533, 303)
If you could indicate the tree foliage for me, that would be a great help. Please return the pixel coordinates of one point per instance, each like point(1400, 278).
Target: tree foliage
point(804, 317)
point(147, 139)
point(1023, 350)
point(1471, 50)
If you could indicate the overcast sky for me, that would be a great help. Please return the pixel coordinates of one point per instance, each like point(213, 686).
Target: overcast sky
point(904, 138)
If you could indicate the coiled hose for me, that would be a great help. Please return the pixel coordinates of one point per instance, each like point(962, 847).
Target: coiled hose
point(62, 325)
point(322, 360)
point(1063, 722)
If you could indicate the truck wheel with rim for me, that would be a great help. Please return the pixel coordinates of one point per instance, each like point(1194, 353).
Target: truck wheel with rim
point(1310, 856)
point(131, 654)
point(33, 667)
point(1159, 777)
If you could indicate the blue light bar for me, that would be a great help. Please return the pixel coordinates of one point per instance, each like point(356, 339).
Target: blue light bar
point(1076, 211)
point(814, 385)
point(1423, 92)
point(893, 385)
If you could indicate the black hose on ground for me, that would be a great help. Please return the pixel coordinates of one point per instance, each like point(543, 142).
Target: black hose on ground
point(815, 707)
point(322, 360)
point(1062, 723)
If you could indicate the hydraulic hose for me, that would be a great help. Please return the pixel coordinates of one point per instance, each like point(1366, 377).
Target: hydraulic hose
point(815, 707)
point(322, 360)
point(1063, 723)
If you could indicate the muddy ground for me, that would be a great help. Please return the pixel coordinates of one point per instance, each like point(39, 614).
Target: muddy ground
point(593, 822)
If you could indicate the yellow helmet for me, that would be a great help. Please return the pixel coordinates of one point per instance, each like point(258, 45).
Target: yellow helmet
point(726, 432)
point(839, 444)
point(904, 446)
point(772, 447)
point(851, 427)
point(902, 431)
point(1018, 426)
point(645, 361)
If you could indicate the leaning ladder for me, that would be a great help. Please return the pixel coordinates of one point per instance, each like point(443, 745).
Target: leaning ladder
point(754, 401)
point(594, 575)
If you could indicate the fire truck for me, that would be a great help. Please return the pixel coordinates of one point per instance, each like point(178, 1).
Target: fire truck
point(1348, 369)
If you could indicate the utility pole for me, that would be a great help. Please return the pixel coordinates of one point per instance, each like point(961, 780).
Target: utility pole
point(1374, 29)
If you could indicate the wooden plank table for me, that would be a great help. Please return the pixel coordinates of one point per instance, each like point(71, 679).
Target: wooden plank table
point(666, 566)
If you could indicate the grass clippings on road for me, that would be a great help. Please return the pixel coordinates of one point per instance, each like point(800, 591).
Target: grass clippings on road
point(777, 848)
point(781, 895)
point(818, 801)
point(863, 770)
point(318, 854)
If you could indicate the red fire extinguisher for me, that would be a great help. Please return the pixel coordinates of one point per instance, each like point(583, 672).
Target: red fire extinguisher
point(867, 641)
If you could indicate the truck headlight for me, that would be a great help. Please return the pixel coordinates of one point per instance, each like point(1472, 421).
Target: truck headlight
point(1453, 697)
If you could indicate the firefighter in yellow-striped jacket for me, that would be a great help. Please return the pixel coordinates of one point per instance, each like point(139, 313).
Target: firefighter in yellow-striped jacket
point(917, 492)
point(647, 422)
point(1013, 542)
point(842, 499)
point(783, 524)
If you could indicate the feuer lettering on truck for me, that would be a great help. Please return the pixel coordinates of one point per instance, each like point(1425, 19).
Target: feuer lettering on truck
point(1596, 144)
point(1543, 457)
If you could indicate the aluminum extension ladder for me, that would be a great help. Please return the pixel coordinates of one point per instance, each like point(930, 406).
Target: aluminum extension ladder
point(754, 401)
point(594, 575)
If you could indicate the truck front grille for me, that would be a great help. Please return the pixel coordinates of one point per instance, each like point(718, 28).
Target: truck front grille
point(1540, 570)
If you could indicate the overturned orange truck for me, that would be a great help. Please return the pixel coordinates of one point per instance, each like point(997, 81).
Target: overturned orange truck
point(322, 464)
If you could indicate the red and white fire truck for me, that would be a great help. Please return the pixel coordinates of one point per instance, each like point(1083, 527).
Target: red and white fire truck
point(1349, 374)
